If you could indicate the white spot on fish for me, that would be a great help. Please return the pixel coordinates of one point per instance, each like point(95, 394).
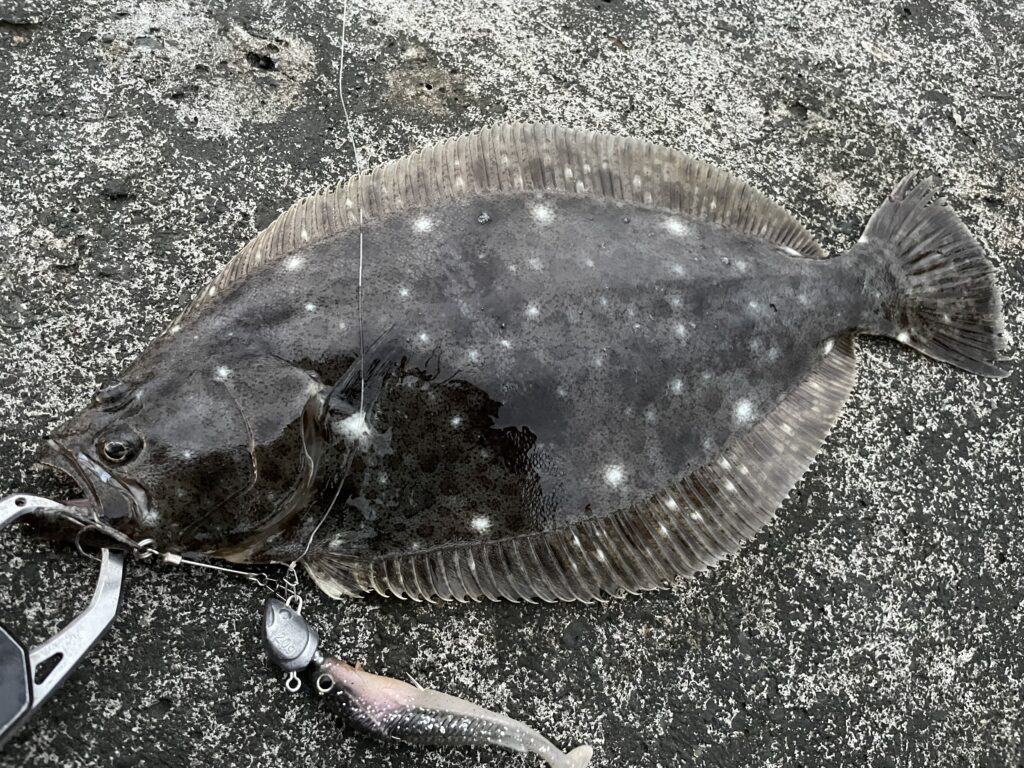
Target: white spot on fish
point(743, 412)
point(310, 307)
point(187, 454)
point(424, 338)
point(403, 292)
point(741, 266)
point(355, 426)
point(828, 347)
point(729, 486)
point(456, 421)
point(149, 516)
point(676, 302)
point(542, 213)
point(294, 263)
point(790, 251)
point(676, 227)
point(604, 301)
point(423, 224)
point(342, 325)
point(304, 235)
point(589, 262)
point(222, 373)
point(506, 344)
point(562, 392)
point(532, 311)
point(536, 264)
point(802, 298)
point(650, 415)
point(211, 291)
point(473, 355)
point(481, 524)
point(903, 337)
point(614, 475)
point(600, 555)
point(680, 331)
point(174, 329)
point(676, 386)
point(672, 504)
point(754, 306)
point(663, 530)
point(678, 269)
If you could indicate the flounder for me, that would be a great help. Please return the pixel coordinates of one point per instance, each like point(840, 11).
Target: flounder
point(578, 366)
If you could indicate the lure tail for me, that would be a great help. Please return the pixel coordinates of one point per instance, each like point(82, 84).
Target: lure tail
point(579, 757)
point(945, 302)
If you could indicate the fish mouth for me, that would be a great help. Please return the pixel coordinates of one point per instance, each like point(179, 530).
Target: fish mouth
point(112, 499)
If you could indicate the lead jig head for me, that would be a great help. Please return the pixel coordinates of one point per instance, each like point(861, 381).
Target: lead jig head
point(290, 642)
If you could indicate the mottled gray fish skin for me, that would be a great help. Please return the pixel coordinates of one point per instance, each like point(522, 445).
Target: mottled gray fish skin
point(534, 361)
point(554, 384)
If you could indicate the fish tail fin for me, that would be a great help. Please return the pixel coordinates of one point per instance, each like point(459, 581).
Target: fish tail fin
point(579, 757)
point(947, 303)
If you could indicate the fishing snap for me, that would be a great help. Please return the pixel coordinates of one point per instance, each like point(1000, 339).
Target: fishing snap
point(292, 683)
point(294, 602)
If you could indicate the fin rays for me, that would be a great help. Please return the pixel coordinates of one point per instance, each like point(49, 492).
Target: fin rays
point(514, 158)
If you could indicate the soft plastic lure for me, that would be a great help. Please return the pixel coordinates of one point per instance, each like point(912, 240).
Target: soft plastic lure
point(393, 709)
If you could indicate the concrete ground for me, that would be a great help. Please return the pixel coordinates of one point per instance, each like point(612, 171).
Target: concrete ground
point(876, 623)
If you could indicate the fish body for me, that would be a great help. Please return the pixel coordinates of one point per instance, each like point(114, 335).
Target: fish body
point(580, 365)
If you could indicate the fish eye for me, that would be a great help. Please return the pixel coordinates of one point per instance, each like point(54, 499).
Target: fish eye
point(118, 449)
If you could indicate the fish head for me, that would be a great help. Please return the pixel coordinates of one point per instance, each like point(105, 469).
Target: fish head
point(172, 456)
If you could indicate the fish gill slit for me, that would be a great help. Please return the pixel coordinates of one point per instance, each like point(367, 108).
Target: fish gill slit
point(253, 462)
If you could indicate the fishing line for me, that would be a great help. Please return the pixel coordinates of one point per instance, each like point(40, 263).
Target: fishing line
point(359, 282)
point(144, 550)
point(359, 170)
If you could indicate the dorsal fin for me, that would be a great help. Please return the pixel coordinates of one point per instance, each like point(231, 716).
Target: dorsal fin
point(686, 528)
point(516, 157)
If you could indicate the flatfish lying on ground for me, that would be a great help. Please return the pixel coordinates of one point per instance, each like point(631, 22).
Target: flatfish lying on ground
point(578, 366)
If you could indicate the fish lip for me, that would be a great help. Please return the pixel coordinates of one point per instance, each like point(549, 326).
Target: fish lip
point(112, 498)
point(57, 457)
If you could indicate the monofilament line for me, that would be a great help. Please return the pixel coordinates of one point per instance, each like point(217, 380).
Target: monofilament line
point(359, 282)
point(359, 170)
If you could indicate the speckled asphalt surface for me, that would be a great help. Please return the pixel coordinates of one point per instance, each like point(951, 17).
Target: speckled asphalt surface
point(878, 622)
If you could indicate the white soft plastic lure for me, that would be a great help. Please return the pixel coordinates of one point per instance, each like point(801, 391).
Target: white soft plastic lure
point(393, 709)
